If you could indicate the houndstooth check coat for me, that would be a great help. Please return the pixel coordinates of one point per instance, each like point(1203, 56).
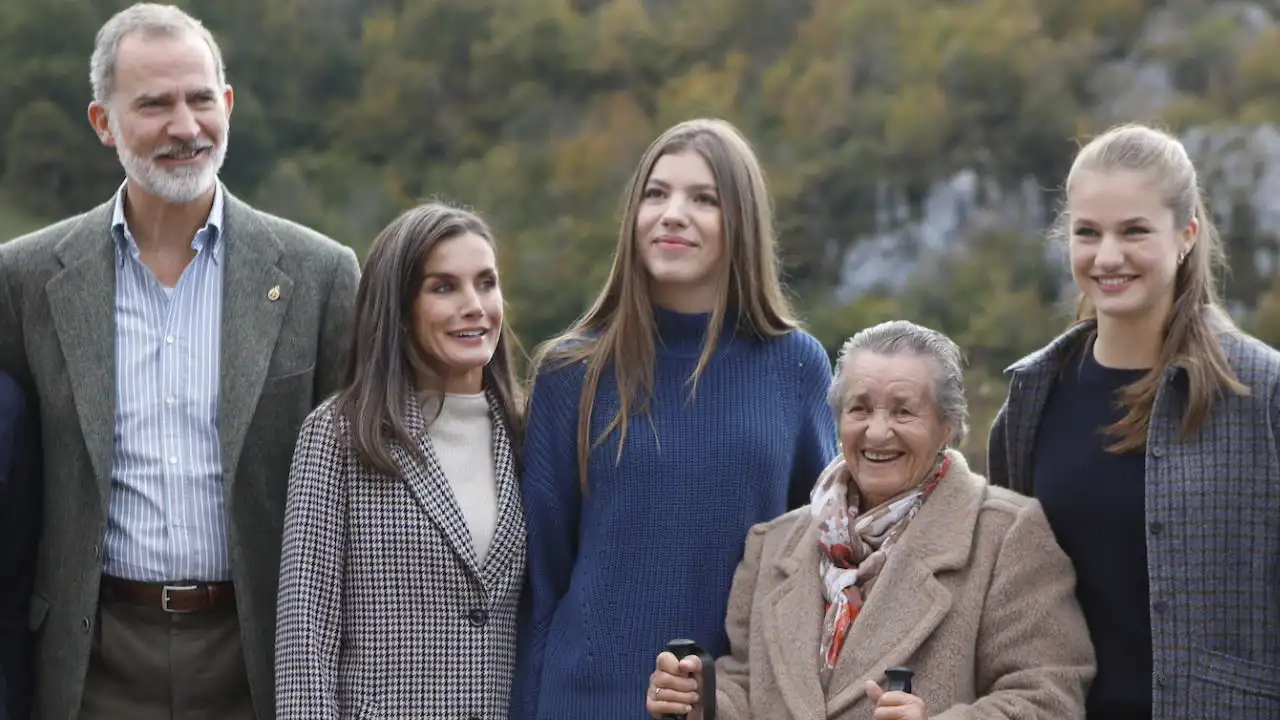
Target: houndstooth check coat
point(1213, 517)
point(384, 611)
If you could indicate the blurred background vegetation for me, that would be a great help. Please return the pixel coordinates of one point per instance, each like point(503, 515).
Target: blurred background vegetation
point(914, 147)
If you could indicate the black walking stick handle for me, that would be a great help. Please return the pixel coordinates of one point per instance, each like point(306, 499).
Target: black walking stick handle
point(899, 679)
point(683, 648)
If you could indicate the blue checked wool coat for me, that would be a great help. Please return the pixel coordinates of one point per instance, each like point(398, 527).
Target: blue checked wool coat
point(385, 611)
point(1213, 518)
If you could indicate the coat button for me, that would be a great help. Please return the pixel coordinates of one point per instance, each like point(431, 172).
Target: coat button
point(85, 624)
point(1156, 527)
point(478, 617)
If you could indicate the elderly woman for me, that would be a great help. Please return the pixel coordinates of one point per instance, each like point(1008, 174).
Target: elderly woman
point(904, 557)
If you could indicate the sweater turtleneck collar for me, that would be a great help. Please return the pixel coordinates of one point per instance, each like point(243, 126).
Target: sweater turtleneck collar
point(455, 406)
point(684, 333)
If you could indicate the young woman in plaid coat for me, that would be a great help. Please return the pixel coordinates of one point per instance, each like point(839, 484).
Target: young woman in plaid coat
point(1148, 431)
point(404, 538)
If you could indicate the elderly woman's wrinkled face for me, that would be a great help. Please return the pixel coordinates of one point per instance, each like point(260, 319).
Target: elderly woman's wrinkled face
point(890, 429)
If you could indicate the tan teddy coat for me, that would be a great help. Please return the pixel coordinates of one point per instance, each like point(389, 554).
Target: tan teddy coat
point(977, 598)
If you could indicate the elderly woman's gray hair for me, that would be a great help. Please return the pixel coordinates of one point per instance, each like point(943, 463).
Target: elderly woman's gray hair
point(900, 337)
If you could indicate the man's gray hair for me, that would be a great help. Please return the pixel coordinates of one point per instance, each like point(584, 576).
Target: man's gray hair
point(899, 337)
point(153, 20)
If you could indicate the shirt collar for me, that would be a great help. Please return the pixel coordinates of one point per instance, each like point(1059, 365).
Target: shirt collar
point(207, 235)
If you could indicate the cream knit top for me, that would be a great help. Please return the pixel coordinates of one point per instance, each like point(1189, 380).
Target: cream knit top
point(462, 438)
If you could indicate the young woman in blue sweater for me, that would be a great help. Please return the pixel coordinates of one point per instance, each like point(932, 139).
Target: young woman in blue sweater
point(683, 408)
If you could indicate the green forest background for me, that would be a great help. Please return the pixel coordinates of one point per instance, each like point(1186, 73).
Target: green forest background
point(535, 111)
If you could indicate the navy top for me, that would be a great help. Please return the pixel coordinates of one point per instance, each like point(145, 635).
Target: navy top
point(649, 554)
point(1095, 502)
point(19, 528)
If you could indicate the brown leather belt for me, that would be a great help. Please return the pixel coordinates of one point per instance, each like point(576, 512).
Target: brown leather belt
point(170, 597)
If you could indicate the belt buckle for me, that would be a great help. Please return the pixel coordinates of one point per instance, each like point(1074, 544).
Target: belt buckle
point(164, 597)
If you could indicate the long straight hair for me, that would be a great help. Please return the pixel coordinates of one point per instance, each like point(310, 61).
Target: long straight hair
point(618, 330)
point(1190, 337)
point(382, 358)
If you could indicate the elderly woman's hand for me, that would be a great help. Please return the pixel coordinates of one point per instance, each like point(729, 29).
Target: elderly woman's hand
point(896, 705)
point(673, 687)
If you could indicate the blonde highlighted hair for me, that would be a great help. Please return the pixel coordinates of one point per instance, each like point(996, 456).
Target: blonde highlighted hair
point(618, 330)
point(1189, 336)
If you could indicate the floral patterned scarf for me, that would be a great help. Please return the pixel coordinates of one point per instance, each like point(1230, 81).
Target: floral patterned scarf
point(855, 546)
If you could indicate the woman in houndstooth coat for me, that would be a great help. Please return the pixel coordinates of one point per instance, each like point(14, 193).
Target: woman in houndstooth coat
point(404, 537)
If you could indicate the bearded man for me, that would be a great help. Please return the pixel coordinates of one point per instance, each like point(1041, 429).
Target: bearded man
point(173, 339)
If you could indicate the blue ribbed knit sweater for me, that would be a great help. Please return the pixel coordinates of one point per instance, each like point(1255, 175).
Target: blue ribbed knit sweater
point(649, 554)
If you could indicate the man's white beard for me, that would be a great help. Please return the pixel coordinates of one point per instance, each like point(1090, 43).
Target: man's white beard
point(181, 184)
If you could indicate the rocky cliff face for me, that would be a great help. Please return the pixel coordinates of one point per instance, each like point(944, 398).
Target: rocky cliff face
point(1239, 164)
point(953, 209)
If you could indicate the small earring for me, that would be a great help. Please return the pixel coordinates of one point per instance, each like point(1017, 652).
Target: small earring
point(1182, 256)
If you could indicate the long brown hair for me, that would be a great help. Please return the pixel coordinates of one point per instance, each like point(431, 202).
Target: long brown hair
point(1190, 338)
point(382, 356)
point(618, 330)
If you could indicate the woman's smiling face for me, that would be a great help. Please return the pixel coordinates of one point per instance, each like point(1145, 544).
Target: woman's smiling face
point(891, 431)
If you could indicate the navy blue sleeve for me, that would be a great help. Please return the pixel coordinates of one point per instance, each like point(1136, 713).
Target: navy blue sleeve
point(19, 531)
point(816, 441)
point(552, 505)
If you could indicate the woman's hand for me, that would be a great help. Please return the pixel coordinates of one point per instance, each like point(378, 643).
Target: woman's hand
point(674, 686)
point(895, 705)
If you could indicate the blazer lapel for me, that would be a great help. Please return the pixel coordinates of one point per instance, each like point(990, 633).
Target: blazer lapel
point(510, 531)
point(251, 321)
point(792, 625)
point(1031, 380)
point(82, 303)
point(429, 487)
point(908, 602)
point(1030, 389)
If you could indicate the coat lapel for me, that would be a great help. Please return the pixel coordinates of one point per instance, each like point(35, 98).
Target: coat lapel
point(82, 303)
point(908, 602)
point(1031, 380)
point(429, 487)
point(251, 321)
point(508, 536)
point(792, 624)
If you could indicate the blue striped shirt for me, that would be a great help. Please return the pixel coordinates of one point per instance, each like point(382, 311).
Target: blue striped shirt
point(166, 519)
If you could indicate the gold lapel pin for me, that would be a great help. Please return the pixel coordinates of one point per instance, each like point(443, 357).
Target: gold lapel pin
point(274, 293)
